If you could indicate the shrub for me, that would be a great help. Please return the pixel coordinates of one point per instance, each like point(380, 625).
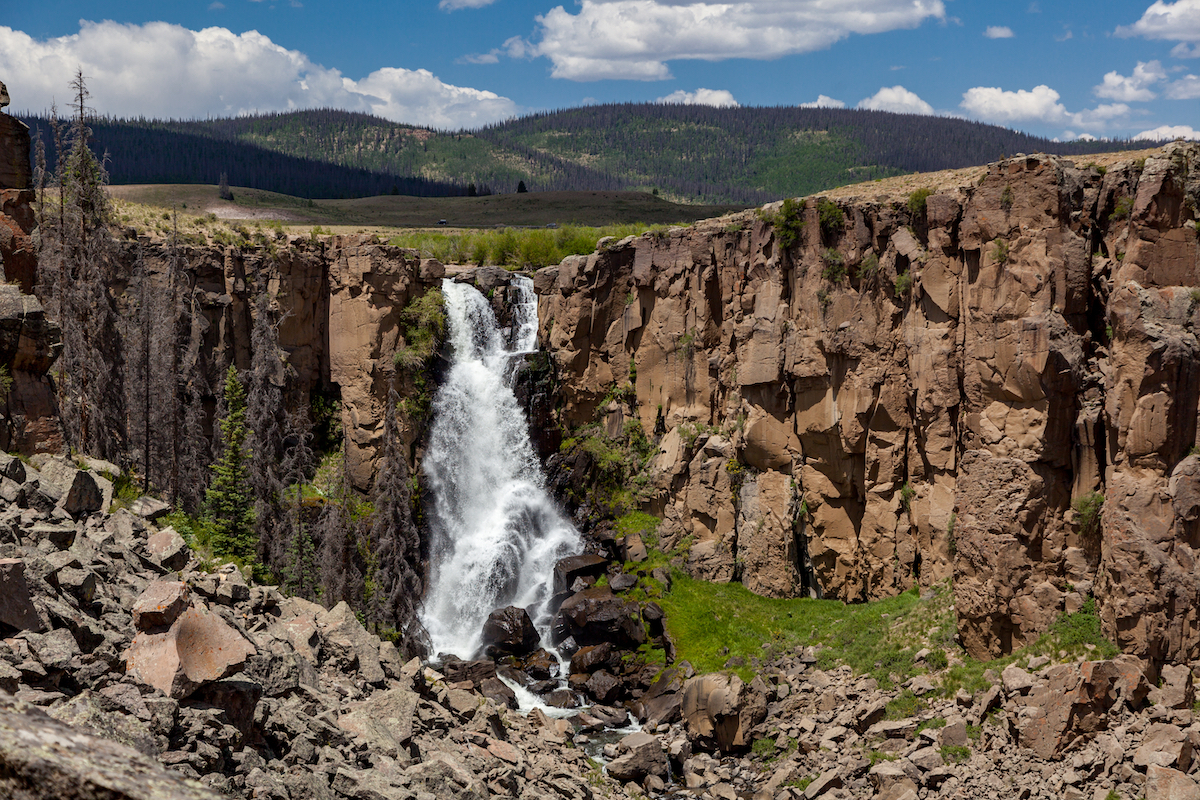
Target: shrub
point(1000, 251)
point(907, 493)
point(868, 266)
point(1122, 209)
point(831, 217)
point(904, 283)
point(1006, 198)
point(953, 754)
point(905, 705)
point(937, 660)
point(916, 200)
point(1087, 511)
point(835, 266)
point(786, 221)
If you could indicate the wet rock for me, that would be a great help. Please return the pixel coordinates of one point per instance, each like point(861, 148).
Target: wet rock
point(596, 615)
point(570, 569)
point(509, 631)
point(496, 689)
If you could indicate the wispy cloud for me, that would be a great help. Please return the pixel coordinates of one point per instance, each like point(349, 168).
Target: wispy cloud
point(999, 32)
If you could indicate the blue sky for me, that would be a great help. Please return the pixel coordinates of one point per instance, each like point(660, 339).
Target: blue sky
point(1057, 69)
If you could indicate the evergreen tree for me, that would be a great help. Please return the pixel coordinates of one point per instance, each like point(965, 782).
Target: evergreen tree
point(223, 190)
point(521, 187)
point(264, 414)
point(230, 506)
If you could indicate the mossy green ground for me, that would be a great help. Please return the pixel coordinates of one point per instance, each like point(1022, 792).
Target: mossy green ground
point(711, 623)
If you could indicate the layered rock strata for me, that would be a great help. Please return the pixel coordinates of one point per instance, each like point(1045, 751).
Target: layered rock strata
point(920, 387)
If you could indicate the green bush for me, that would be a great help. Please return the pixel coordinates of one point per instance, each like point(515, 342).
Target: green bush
point(1000, 251)
point(1006, 198)
point(917, 200)
point(953, 754)
point(904, 283)
point(1122, 209)
point(868, 266)
point(1087, 510)
point(787, 221)
point(831, 217)
point(835, 266)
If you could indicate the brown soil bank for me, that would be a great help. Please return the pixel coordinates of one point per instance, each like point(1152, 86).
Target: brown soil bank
point(997, 381)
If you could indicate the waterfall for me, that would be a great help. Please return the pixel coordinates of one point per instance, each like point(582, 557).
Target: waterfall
point(496, 533)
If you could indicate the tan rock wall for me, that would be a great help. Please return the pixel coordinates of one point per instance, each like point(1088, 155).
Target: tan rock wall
point(1044, 351)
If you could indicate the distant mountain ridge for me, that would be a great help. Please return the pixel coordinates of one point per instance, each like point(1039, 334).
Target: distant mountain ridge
point(688, 153)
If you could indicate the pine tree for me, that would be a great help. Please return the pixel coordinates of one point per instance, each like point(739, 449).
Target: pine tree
point(223, 190)
point(521, 187)
point(264, 414)
point(230, 506)
point(300, 569)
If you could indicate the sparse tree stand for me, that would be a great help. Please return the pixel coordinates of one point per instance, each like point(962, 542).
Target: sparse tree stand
point(228, 502)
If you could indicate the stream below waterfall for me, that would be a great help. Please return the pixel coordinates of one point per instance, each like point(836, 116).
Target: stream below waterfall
point(496, 532)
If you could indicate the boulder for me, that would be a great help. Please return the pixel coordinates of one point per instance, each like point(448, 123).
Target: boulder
point(384, 722)
point(160, 605)
point(1176, 689)
point(1166, 746)
point(662, 701)
point(83, 495)
point(569, 569)
point(1074, 701)
point(593, 657)
point(1164, 783)
point(541, 665)
point(604, 687)
point(474, 671)
point(720, 710)
point(15, 170)
point(16, 604)
point(169, 549)
point(150, 508)
point(353, 645)
point(640, 755)
point(596, 615)
point(45, 759)
point(496, 689)
point(198, 648)
point(509, 631)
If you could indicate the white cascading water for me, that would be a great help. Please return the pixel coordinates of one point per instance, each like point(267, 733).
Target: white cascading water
point(496, 532)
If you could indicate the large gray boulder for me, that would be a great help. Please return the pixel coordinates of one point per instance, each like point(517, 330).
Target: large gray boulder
point(44, 759)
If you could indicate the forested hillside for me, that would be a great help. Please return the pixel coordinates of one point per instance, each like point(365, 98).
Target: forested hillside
point(689, 153)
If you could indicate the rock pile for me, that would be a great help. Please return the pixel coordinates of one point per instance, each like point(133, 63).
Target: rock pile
point(120, 658)
point(110, 630)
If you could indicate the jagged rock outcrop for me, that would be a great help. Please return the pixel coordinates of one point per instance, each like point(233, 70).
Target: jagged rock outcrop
point(920, 387)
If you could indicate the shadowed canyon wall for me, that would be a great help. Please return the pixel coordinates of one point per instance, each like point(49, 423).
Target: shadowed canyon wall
point(914, 391)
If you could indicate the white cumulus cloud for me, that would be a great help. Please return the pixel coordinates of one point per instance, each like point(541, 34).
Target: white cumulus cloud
point(1186, 88)
point(634, 39)
point(1168, 132)
point(700, 97)
point(164, 70)
point(1136, 87)
point(1040, 104)
point(1185, 50)
point(1174, 22)
point(999, 32)
point(896, 99)
point(823, 101)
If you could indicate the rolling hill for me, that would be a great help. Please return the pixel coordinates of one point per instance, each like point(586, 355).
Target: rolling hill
point(693, 154)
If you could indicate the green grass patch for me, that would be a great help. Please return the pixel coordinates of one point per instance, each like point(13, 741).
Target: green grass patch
point(515, 247)
point(904, 705)
point(935, 723)
point(713, 622)
point(953, 754)
point(639, 522)
point(875, 756)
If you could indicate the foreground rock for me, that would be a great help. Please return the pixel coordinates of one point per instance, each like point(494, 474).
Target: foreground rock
point(44, 759)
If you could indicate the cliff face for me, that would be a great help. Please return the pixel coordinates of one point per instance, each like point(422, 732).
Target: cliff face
point(854, 436)
point(340, 300)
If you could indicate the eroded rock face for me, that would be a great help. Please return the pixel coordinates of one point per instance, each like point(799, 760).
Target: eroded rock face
point(829, 434)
